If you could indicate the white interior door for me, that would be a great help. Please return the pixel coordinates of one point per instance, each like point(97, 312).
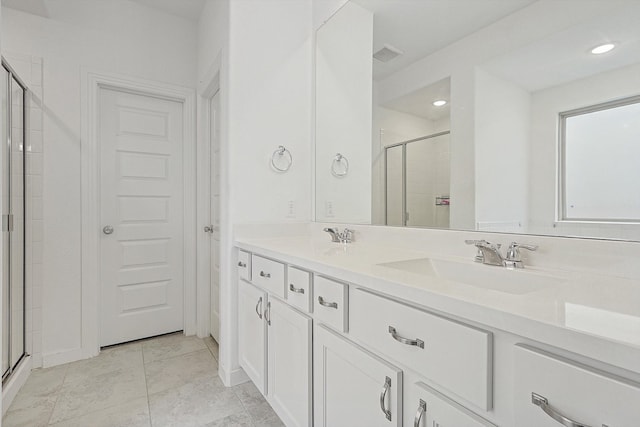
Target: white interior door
point(214, 209)
point(141, 250)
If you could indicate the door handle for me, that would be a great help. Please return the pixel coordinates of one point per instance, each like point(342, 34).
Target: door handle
point(543, 403)
point(325, 303)
point(408, 341)
point(383, 397)
point(259, 310)
point(296, 290)
point(422, 409)
point(107, 229)
point(208, 229)
point(267, 313)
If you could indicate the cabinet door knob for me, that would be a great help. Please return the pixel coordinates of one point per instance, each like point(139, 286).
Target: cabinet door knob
point(108, 229)
point(543, 403)
point(242, 264)
point(325, 303)
point(265, 275)
point(422, 409)
point(408, 341)
point(383, 398)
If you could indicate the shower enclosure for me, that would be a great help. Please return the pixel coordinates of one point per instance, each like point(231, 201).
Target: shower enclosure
point(417, 182)
point(14, 102)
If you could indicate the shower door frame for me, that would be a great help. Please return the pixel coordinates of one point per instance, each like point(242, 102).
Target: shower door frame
point(7, 221)
point(402, 144)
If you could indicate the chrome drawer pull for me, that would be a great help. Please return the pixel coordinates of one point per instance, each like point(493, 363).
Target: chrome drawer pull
point(267, 313)
point(324, 303)
point(383, 396)
point(259, 310)
point(422, 409)
point(543, 403)
point(242, 264)
point(408, 341)
point(265, 275)
point(296, 290)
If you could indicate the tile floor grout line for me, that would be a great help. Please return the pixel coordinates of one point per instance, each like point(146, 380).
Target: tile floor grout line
point(146, 385)
point(57, 393)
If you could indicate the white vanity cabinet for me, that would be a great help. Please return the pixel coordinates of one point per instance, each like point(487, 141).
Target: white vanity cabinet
point(252, 333)
point(549, 388)
point(426, 407)
point(289, 353)
point(353, 387)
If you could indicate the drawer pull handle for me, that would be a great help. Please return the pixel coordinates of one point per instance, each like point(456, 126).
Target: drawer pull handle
point(242, 264)
point(259, 310)
point(422, 409)
point(383, 398)
point(324, 303)
point(408, 341)
point(265, 275)
point(543, 403)
point(296, 290)
point(267, 313)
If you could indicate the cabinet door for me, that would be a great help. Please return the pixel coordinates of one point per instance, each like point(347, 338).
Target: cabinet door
point(289, 361)
point(426, 407)
point(252, 333)
point(352, 387)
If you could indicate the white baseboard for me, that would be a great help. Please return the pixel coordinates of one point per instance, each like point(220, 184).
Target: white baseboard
point(62, 357)
point(233, 378)
point(15, 383)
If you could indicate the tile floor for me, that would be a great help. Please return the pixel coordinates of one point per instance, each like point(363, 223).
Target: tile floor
point(166, 381)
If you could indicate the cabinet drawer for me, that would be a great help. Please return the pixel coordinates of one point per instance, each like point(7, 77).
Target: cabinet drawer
point(455, 356)
point(426, 407)
point(269, 274)
point(330, 302)
point(299, 288)
point(583, 394)
point(244, 265)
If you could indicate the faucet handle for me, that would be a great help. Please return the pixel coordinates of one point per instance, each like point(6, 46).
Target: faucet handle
point(347, 235)
point(513, 259)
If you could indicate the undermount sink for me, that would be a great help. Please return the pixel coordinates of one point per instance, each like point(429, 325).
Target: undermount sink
point(499, 279)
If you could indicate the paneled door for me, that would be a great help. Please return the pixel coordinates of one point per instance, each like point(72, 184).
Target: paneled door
point(214, 211)
point(141, 248)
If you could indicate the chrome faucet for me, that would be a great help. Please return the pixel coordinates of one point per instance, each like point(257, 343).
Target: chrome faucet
point(336, 236)
point(489, 253)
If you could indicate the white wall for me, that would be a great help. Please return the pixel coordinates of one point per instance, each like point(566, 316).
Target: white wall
point(502, 132)
point(116, 36)
point(545, 107)
point(344, 85)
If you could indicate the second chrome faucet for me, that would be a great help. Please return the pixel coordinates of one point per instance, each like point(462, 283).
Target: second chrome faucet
point(489, 253)
point(336, 236)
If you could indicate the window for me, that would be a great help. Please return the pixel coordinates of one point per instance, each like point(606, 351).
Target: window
point(600, 162)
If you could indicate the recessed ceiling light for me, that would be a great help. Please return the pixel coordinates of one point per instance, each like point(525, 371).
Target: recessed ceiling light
point(603, 48)
point(439, 103)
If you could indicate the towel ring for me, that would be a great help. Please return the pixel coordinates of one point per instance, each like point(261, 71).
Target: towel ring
point(337, 161)
point(279, 153)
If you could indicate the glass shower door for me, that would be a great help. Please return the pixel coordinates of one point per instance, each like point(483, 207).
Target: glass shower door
point(13, 220)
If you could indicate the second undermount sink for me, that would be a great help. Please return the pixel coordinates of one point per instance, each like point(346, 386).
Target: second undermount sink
point(478, 275)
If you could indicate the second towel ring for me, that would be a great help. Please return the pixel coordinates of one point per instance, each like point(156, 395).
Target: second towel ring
point(280, 153)
point(338, 160)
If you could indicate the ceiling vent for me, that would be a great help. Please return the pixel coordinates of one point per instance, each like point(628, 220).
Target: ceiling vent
point(387, 53)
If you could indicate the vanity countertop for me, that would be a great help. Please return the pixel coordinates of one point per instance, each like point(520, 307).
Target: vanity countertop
point(597, 316)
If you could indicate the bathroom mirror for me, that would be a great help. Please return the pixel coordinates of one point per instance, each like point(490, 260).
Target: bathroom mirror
point(489, 115)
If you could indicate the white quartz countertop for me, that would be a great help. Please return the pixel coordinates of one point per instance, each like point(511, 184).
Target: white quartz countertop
point(593, 315)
